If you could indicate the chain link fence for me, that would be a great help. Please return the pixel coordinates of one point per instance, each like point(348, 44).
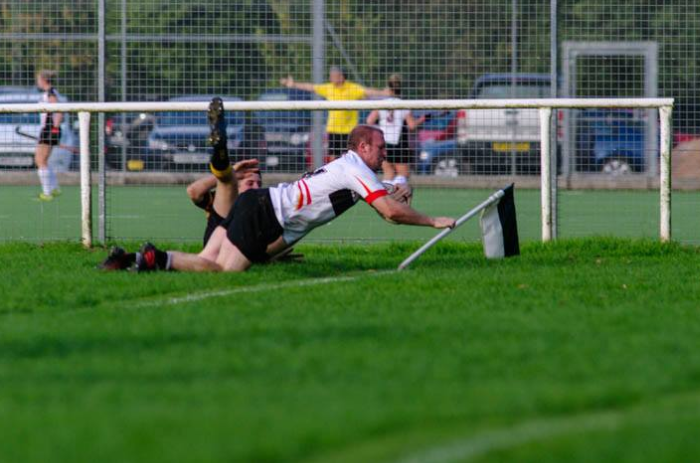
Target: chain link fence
point(161, 50)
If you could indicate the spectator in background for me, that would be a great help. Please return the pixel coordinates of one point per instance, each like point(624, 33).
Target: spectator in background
point(49, 136)
point(396, 125)
point(340, 122)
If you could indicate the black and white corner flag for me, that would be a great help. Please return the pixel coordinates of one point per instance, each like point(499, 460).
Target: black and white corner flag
point(499, 228)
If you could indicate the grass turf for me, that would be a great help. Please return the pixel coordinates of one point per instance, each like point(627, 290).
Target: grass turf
point(164, 213)
point(582, 350)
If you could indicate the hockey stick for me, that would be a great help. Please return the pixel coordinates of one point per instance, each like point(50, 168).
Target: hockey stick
point(71, 149)
point(491, 199)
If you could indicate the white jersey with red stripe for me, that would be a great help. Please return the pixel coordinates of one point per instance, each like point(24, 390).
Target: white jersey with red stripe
point(320, 196)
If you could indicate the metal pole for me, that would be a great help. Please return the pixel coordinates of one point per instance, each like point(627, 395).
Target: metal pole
point(101, 61)
point(665, 113)
point(513, 80)
point(491, 199)
point(85, 185)
point(123, 85)
point(318, 53)
point(554, 84)
point(546, 177)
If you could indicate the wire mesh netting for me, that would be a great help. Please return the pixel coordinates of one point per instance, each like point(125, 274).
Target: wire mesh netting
point(171, 50)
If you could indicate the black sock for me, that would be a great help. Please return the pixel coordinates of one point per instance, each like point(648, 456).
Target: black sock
point(161, 259)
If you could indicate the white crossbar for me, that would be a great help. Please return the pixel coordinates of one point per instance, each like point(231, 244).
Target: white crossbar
point(124, 106)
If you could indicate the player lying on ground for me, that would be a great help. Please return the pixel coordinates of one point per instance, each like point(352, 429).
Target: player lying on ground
point(214, 193)
point(266, 222)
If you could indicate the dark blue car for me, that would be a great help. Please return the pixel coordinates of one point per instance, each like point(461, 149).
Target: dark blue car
point(286, 132)
point(610, 141)
point(178, 140)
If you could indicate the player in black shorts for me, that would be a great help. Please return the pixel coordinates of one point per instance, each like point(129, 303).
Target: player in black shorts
point(397, 126)
point(215, 193)
point(49, 136)
point(207, 193)
point(336, 144)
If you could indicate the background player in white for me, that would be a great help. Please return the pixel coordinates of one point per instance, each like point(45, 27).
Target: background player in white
point(265, 222)
point(49, 137)
point(396, 125)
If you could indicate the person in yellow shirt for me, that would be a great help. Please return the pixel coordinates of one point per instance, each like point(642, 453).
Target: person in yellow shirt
point(340, 122)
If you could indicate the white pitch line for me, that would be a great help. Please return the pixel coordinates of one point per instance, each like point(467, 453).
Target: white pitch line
point(194, 297)
point(513, 436)
point(518, 434)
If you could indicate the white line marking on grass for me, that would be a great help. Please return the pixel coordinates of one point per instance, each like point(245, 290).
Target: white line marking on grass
point(194, 297)
point(513, 436)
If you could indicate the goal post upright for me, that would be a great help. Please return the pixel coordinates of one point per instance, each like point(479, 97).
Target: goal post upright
point(85, 183)
point(665, 116)
point(546, 188)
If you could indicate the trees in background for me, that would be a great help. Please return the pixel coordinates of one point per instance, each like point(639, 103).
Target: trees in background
point(440, 46)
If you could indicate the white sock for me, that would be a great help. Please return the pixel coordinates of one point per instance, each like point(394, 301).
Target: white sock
point(400, 179)
point(53, 181)
point(44, 178)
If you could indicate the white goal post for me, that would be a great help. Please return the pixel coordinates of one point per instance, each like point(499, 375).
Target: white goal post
point(544, 106)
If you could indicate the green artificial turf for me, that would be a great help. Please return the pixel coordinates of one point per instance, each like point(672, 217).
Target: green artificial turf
point(165, 213)
point(583, 350)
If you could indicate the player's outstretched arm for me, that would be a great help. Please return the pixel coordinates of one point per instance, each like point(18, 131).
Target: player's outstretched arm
point(398, 212)
point(197, 189)
point(373, 117)
point(245, 167)
point(289, 82)
point(377, 93)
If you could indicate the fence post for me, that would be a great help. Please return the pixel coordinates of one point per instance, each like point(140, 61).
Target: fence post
point(546, 172)
point(665, 113)
point(318, 69)
point(101, 79)
point(85, 184)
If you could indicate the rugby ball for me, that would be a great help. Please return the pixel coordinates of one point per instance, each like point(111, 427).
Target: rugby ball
point(402, 195)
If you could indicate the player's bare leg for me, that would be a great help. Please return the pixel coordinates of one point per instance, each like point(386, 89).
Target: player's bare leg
point(227, 190)
point(231, 259)
point(192, 263)
point(389, 171)
point(402, 173)
point(41, 159)
point(211, 250)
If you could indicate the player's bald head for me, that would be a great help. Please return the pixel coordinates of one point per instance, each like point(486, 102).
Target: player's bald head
point(362, 134)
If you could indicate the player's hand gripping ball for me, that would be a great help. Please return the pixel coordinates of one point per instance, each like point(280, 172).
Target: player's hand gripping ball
point(402, 192)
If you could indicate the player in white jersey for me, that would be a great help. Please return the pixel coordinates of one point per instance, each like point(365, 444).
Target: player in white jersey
point(396, 125)
point(266, 222)
point(49, 137)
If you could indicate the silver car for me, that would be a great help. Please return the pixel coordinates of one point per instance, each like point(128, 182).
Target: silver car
point(19, 133)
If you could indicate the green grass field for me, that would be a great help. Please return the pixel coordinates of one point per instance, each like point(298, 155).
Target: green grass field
point(583, 350)
point(165, 214)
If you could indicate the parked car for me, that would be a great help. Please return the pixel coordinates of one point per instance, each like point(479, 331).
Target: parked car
point(178, 140)
point(437, 146)
point(19, 133)
point(128, 133)
point(488, 138)
point(286, 133)
point(610, 141)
